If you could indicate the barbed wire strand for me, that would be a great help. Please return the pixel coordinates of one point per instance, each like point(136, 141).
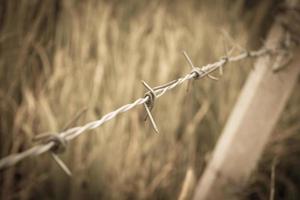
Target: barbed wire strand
point(72, 133)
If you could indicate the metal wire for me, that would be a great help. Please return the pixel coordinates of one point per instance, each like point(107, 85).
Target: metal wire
point(72, 133)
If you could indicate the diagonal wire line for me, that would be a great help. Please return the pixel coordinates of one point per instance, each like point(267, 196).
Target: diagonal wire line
point(72, 133)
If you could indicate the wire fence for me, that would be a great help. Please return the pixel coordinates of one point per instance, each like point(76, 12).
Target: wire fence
point(56, 143)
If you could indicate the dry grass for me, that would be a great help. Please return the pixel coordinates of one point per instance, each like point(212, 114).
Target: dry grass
point(94, 54)
point(284, 147)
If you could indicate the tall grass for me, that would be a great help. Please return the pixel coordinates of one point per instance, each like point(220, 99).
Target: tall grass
point(60, 57)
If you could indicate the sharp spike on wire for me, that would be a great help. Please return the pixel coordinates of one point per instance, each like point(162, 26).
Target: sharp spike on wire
point(74, 132)
point(194, 68)
point(197, 72)
point(55, 157)
point(188, 59)
point(61, 164)
point(231, 40)
point(213, 77)
point(60, 144)
point(151, 118)
point(148, 87)
point(75, 119)
point(149, 104)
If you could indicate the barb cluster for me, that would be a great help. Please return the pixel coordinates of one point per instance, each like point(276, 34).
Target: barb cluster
point(55, 143)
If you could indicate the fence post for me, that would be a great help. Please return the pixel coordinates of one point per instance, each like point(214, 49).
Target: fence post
point(249, 126)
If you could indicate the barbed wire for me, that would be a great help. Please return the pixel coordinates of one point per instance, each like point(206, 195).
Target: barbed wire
point(56, 143)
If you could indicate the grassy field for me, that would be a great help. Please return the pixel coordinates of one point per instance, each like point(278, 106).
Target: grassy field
point(59, 57)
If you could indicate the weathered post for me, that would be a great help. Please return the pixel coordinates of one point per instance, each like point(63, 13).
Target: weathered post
point(249, 126)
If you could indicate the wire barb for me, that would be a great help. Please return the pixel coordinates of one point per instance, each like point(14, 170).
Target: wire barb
point(149, 104)
point(198, 72)
point(60, 146)
point(61, 164)
point(57, 143)
point(284, 56)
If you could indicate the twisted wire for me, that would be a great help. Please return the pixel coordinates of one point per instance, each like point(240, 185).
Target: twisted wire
point(74, 132)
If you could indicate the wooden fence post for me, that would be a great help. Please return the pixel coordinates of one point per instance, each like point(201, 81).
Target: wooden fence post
point(249, 126)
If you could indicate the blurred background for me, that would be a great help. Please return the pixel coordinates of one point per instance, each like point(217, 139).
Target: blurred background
point(58, 57)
